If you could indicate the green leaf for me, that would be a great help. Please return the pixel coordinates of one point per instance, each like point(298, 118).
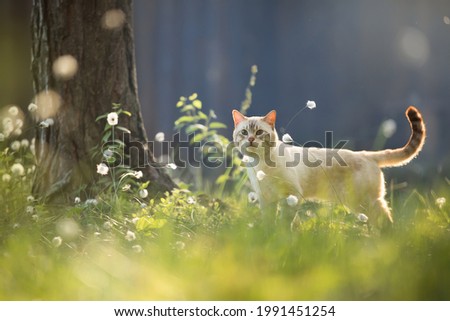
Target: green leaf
point(145, 223)
point(126, 130)
point(126, 112)
point(101, 117)
point(198, 137)
point(216, 125)
point(197, 104)
point(222, 179)
point(202, 115)
point(184, 119)
point(180, 104)
point(193, 97)
point(192, 128)
point(144, 185)
point(187, 108)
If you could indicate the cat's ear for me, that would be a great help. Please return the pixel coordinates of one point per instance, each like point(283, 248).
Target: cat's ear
point(238, 117)
point(270, 118)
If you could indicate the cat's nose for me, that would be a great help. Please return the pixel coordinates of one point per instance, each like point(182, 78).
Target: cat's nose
point(251, 139)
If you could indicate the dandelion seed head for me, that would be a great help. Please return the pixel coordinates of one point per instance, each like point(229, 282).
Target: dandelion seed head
point(30, 199)
point(57, 241)
point(160, 137)
point(91, 201)
point(311, 104)
point(287, 139)
point(29, 209)
point(440, 202)
point(77, 200)
point(130, 236)
point(362, 218)
point(135, 220)
point(15, 145)
point(112, 119)
point(6, 178)
point(35, 217)
point(24, 143)
point(137, 248)
point(17, 132)
point(68, 228)
point(292, 200)
point(180, 245)
point(143, 193)
point(260, 175)
point(107, 225)
point(13, 111)
point(17, 169)
point(252, 197)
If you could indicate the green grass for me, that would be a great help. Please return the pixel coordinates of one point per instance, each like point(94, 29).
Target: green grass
point(219, 250)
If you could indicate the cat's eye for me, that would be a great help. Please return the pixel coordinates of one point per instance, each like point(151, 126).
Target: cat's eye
point(259, 132)
point(244, 132)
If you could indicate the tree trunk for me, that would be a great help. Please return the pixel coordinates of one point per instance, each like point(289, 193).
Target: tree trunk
point(103, 47)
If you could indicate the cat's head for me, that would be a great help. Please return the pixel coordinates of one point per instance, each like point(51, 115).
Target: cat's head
point(253, 133)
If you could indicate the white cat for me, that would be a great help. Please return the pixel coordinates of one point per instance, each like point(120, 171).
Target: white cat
point(351, 178)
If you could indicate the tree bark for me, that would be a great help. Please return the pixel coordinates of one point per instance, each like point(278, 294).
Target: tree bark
point(106, 74)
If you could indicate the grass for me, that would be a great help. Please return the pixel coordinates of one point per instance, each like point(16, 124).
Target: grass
point(194, 247)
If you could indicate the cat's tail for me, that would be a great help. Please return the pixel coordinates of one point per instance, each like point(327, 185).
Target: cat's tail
point(403, 155)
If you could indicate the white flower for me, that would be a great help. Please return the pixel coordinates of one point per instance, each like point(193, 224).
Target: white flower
point(2, 137)
point(130, 236)
point(15, 145)
point(137, 248)
point(311, 104)
point(108, 153)
point(18, 169)
point(113, 118)
point(362, 217)
point(102, 169)
point(32, 108)
point(171, 166)
point(91, 201)
point(388, 128)
point(25, 143)
point(138, 174)
point(440, 202)
point(35, 217)
point(247, 159)
point(29, 209)
point(252, 197)
point(292, 200)
point(287, 139)
point(260, 175)
point(77, 200)
point(46, 123)
point(159, 137)
point(143, 193)
point(190, 200)
point(135, 220)
point(126, 187)
point(30, 199)
point(57, 241)
point(13, 111)
point(6, 178)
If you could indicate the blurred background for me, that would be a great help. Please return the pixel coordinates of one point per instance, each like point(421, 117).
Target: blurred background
point(363, 62)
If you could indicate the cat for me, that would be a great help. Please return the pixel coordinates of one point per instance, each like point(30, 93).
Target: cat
point(352, 178)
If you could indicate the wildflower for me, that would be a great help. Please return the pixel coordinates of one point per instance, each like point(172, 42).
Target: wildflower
point(135, 220)
point(179, 245)
point(29, 209)
point(6, 178)
point(159, 137)
point(171, 166)
point(35, 217)
point(47, 123)
point(13, 111)
point(260, 175)
point(18, 169)
point(24, 143)
point(77, 200)
point(440, 202)
point(190, 200)
point(57, 241)
point(2, 137)
point(292, 200)
point(388, 128)
point(15, 145)
point(252, 197)
point(19, 123)
point(17, 132)
point(137, 248)
point(32, 108)
point(113, 118)
point(143, 193)
point(108, 153)
point(126, 187)
point(102, 169)
point(130, 236)
point(362, 217)
point(138, 174)
point(287, 139)
point(311, 104)
point(30, 199)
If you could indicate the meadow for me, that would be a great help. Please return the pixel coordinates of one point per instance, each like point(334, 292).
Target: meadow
point(212, 244)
